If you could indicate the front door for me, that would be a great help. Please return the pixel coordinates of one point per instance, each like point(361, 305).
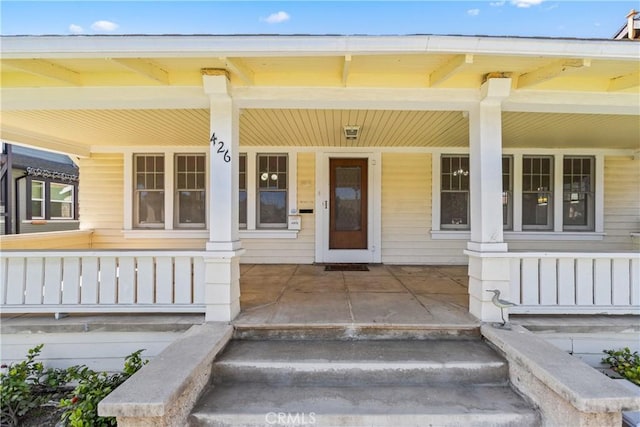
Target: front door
point(348, 214)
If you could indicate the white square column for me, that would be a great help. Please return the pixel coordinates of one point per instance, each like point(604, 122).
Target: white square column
point(485, 157)
point(223, 250)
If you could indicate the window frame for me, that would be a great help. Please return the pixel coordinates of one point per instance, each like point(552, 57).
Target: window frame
point(71, 203)
point(518, 233)
point(544, 197)
point(259, 191)
point(136, 201)
point(590, 205)
point(461, 177)
point(43, 200)
point(176, 189)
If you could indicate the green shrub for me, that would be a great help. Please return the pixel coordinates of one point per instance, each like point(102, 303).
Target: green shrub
point(26, 385)
point(82, 407)
point(624, 363)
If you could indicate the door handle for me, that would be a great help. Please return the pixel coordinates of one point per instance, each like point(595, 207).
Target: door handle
point(325, 204)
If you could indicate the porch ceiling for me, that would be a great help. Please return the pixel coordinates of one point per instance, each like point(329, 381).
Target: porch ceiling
point(96, 129)
point(150, 89)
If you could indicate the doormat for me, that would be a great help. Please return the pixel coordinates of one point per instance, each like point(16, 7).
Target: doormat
point(346, 267)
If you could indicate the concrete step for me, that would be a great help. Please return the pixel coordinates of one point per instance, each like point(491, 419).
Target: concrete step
point(249, 404)
point(350, 332)
point(359, 363)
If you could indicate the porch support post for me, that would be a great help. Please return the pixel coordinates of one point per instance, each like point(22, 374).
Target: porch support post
point(485, 159)
point(223, 250)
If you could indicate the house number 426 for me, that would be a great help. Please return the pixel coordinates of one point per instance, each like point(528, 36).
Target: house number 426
point(221, 150)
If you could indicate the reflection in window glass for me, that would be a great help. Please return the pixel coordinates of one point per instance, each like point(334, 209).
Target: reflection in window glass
point(577, 193)
point(190, 190)
point(454, 193)
point(272, 190)
point(149, 190)
point(537, 193)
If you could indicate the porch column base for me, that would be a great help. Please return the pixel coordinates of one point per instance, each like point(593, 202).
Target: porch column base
point(222, 285)
point(486, 272)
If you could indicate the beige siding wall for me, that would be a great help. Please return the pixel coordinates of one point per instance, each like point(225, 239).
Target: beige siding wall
point(406, 214)
point(101, 207)
point(296, 251)
point(51, 240)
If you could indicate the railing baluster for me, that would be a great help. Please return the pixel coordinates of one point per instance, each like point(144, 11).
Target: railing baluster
point(34, 290)
point(146, 280)
point(52, 280)
point(164, 280)
point(602, 281)
point(89, 283)
point(108, 280)
point(126, 280)
point(71, 280)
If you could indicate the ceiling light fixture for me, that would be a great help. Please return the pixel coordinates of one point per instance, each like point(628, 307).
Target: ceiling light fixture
point(351, 132)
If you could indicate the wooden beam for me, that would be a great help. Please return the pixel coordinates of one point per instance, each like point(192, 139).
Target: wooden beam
point(446, 71)
point(41, 67)
point(553, 70)
point(240, 69)
point(624, 82)
point(145, 68)
point(345, 69)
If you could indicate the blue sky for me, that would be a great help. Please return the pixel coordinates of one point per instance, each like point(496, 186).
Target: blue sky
point(537, 18)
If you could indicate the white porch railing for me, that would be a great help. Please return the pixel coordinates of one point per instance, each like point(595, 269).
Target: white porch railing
point(575, 283)
point(101, 281)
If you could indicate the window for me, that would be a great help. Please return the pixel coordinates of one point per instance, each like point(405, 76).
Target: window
point(272, 191)
point(190, 206)
point(61, 201)
point(37, 200)
point(537, 192)
point(454, 196)
point(507, 192)
point(577, 193)
point(149, 190)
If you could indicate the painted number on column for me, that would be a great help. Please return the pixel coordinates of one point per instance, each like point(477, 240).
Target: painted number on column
point(221, 150)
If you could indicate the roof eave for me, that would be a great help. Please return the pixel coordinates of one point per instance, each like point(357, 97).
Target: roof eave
point(17, 47)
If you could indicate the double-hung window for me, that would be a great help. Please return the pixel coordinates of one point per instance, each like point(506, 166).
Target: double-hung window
point(61, 201)
point(454, 196)
point(190, 190)
point(578, 206)
point(272, 191)
point(537, 192)
point(37, 199)
point(507, 192)
point(149, 180)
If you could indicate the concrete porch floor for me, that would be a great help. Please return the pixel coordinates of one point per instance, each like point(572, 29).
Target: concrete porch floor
point(386, 295)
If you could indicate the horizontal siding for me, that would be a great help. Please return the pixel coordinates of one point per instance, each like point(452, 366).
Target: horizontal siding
point(621, 212)
point(100, 351)
point(51, 240)
point(295, 251)
point(406, 214)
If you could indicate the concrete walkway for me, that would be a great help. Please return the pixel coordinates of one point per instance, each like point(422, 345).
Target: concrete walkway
point(385, 295)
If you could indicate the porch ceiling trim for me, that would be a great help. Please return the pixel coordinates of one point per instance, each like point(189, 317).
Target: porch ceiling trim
point(45, 142)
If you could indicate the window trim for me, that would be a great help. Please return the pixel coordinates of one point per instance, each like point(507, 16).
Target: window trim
point(43, 201)
point(271, 226)
point(518, 233)
point(176, 198)
point(169, 232)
